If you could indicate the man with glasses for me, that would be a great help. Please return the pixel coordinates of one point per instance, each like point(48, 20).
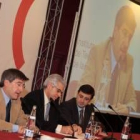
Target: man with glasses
point(46, 100)
point(12, 117)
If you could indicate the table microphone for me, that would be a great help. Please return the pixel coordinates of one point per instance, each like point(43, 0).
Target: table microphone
point(65, 118)
point(109, 106)
point(106, 138)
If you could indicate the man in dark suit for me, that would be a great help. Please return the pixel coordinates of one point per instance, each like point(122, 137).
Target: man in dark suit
point(47, 113)
point(72, 108)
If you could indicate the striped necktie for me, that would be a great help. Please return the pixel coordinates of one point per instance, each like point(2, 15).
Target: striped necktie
point(47, 111)
point(81, 117)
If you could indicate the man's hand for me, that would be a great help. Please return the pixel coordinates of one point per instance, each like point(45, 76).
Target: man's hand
point(77, 129)
point(121, 108)
point(35, 128)
point(21, 129)
point(67, 130)
point(101, 133)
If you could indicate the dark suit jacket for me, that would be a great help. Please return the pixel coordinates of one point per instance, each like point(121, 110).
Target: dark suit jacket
point(69, 112)
point(37, 98)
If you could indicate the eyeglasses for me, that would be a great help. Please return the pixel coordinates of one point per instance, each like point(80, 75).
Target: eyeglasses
point(58, 90)
point(20, 84)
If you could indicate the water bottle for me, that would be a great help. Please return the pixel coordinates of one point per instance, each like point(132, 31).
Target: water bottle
point(125, 130)
point(89, 128)
point(29, 130)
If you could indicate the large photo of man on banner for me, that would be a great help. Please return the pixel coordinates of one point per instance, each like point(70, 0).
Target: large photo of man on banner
point(109, 67)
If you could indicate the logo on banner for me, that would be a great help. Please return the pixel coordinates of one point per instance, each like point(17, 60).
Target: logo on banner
point(18, 32)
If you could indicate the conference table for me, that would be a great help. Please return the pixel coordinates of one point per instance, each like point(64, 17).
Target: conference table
point(16, 136)
point(117, 136)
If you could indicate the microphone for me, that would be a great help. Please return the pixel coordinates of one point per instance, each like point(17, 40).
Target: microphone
point(106, 138)
point(109, 106)
point(65, 118)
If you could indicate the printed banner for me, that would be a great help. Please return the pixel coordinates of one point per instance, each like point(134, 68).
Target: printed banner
point(21, 26)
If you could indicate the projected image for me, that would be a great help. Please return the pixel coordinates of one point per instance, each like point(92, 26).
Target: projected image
point(110, 66)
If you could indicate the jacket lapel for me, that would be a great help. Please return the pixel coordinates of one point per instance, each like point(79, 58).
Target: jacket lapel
point(2, 107)
point(14, 111)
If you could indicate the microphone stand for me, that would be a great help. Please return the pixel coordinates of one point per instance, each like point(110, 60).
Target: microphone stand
point(106, 138)
point(109, 106)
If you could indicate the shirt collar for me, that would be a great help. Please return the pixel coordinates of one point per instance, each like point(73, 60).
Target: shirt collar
point(79, 108)
point(46, 99)
point(6, 98)
point(113, 60)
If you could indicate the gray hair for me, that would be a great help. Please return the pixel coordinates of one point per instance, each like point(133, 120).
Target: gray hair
point(54, 79)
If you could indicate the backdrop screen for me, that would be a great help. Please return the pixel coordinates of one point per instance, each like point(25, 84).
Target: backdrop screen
point(103, 43)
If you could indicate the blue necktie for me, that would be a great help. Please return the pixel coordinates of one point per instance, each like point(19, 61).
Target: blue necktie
point(8, 107)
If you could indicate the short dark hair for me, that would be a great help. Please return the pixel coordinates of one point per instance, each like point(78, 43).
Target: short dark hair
point(12, 74)
point(87, 89)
